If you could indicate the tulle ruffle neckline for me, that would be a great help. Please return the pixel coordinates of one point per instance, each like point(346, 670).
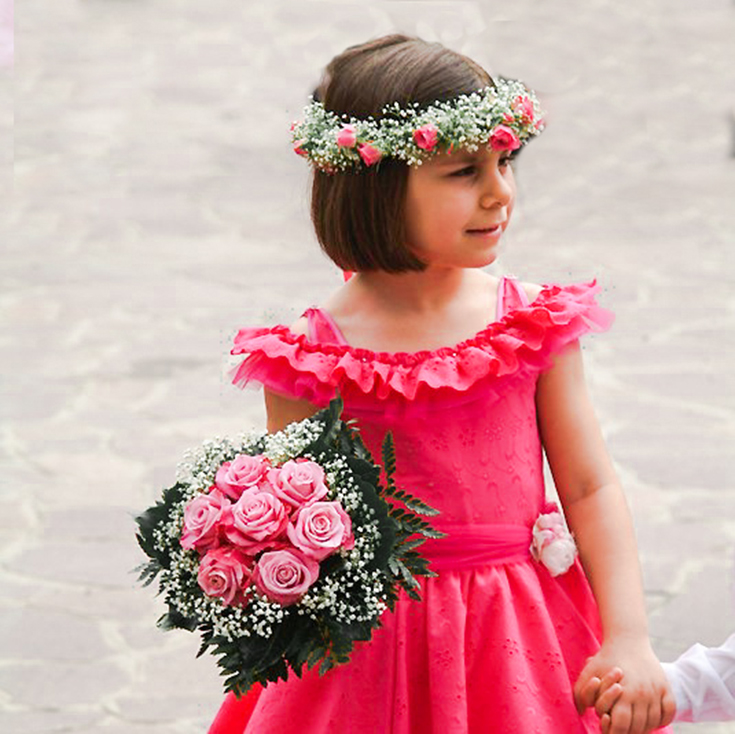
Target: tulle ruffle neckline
point(522, 340)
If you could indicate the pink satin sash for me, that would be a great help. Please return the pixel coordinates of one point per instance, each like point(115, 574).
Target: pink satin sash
point(469, 546)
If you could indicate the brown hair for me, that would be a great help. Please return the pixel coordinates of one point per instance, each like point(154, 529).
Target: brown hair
point(359, 215)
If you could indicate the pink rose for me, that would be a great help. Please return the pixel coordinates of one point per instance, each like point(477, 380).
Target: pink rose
point(347, 136)
point(243, 472)
point(299, 150)
point(298, 482)
point(226, 572)
point(321, 528)
point(552, 544)
point(525, 107)
point(284, 576)
point(503, 138)
point(203, 516)
point(524, 104)
point(426, 136)
point(369, 154)
point(256, 521)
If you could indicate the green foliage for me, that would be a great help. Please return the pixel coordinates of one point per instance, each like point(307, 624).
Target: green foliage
point(147, 572)
point(147, 523)
point(173, 619)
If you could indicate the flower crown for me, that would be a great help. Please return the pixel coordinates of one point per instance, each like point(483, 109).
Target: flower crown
point(505, 116)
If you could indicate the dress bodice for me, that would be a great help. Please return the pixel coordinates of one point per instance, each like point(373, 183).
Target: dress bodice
point(463, 418)
point(477, 459)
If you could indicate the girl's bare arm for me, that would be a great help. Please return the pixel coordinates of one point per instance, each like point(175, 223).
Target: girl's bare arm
point(598, 516)
point(281, 411)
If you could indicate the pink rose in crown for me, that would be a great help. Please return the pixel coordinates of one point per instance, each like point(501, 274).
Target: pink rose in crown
point(297, 482)
point(347, 136)
point(369, 154)
point(203, 516)
point(243, 472)
point(299, 150)
point(284, 576)
point(321, 529)
point(226, 573)
point(426, 137)
point(524, 105)
point(503, 138)
point(256, 521)
point(552, 544)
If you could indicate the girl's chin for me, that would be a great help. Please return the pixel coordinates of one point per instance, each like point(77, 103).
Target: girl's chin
point(487, 257)
point(478, 257)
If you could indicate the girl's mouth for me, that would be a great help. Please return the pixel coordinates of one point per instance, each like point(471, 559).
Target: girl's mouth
point(486, 231)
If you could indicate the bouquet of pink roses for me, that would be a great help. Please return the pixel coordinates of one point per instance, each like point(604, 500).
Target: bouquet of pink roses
point(283, 549)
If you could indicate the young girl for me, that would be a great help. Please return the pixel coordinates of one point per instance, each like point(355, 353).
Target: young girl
point(412, 146)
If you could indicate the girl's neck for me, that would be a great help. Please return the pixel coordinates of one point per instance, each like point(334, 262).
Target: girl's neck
point(422, 292)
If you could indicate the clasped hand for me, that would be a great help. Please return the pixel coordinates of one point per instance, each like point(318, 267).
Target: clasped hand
point(627, 687)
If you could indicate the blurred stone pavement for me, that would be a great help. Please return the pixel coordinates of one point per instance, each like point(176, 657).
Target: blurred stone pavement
point(157, 208)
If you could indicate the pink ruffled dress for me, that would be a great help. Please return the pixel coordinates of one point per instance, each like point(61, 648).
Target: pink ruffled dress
point(496, 643)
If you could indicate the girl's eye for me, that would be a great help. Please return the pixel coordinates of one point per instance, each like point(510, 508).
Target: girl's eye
point(506, 160)
point(462, 172)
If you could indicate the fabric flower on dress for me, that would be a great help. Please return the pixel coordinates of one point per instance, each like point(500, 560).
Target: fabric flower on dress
point(552, 544)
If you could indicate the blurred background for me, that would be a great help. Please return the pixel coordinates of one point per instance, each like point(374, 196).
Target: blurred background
point(158, 207)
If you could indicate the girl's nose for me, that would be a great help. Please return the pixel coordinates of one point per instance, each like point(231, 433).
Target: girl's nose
point(496, 192)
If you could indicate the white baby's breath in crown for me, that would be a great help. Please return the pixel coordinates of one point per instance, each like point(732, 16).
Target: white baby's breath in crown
point(504, 117)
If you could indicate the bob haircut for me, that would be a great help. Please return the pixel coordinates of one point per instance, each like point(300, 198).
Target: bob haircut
point(359, 215)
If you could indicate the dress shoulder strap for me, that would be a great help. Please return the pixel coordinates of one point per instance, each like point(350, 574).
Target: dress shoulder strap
point(511, 295)
point(322, 328)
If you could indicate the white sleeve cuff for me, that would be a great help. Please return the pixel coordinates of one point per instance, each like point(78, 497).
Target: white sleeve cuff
point(703, 681)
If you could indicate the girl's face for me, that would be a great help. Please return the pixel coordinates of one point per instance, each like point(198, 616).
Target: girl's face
point(458, 206)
